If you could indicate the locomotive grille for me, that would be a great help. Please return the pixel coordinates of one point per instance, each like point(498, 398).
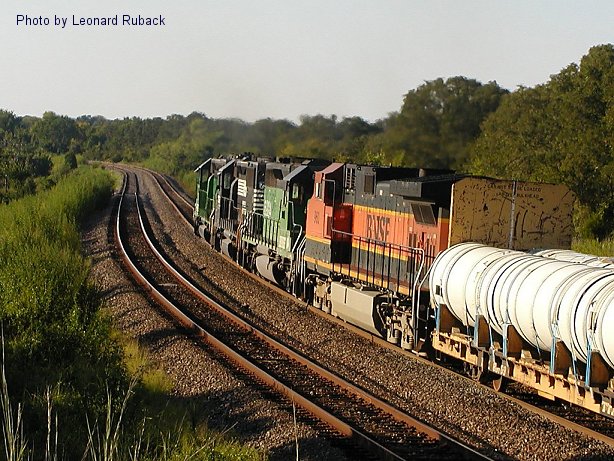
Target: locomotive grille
point(258, 200)
point(350, 179)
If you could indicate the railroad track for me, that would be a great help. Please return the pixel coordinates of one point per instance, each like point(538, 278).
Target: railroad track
point(369, 423)
point(183, 206)
point(593, 425)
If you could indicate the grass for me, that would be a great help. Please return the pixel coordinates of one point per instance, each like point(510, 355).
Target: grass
point(118, 179)
point(170, 429)
point(13, 438)
point(139, 364)
point(595, 247)
point(112, 440)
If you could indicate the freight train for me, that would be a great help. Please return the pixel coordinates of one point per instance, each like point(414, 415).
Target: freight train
point(384, 248)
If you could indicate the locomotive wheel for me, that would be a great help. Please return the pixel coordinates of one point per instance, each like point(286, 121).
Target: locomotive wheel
point(499, 383)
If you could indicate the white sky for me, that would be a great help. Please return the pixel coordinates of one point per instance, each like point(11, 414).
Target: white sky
point(280, 59)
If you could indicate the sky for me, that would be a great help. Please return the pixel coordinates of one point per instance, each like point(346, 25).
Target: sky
point(280, 59)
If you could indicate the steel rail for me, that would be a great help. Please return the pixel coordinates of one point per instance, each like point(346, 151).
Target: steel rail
point(159, 177)
point(174, 205)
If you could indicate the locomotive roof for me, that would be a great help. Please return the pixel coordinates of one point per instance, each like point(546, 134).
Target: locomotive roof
point(214, 160)
point(294, 173)
point(332, 168)
point(202, 165)
point(229, 164)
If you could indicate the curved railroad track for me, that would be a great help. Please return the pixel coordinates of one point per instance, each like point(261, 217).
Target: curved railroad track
point(577, 419)
point(368, 422)
point(179, 201)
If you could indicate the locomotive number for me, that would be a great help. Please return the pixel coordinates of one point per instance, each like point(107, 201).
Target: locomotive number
point(378, 227)
point(316, 217)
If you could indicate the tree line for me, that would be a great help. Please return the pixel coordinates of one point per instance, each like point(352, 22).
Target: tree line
point(560, 131)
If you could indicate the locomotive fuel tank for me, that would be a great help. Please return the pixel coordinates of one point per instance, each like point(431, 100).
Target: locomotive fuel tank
point(358, 306)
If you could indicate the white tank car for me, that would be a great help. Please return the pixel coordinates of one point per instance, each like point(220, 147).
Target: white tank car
point(542, 298)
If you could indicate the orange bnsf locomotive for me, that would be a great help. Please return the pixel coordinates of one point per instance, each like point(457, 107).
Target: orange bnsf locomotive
point(358, 241)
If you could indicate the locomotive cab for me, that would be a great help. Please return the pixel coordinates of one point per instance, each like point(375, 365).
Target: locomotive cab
point(207, 186)
point(329, 221)
point(225, 214)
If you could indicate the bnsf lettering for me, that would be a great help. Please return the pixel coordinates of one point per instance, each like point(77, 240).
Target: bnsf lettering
point(378, 227)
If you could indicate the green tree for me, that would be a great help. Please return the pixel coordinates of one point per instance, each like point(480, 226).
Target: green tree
point(438, 121)
point(54, 133)
point(269, 136)
point(521, 129)
point(8, 122)
point(354, 136)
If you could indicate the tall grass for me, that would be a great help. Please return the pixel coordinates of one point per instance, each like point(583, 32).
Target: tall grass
point(103, 445)
point(13, 439)
point(116, 438)
point(57, 342)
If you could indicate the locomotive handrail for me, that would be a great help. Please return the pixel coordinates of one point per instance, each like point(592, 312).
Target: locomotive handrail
point(258, 234)
point(233, 185)
point(294, 225)
point(208, 184)
point(416, 299)
point(380, 242)
point(300, 259)
point(291, 214)
point(271, 237)
point(230, 206)
point(334, 193)
point(298, 234)
point(227, 222)
point(413, 254)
